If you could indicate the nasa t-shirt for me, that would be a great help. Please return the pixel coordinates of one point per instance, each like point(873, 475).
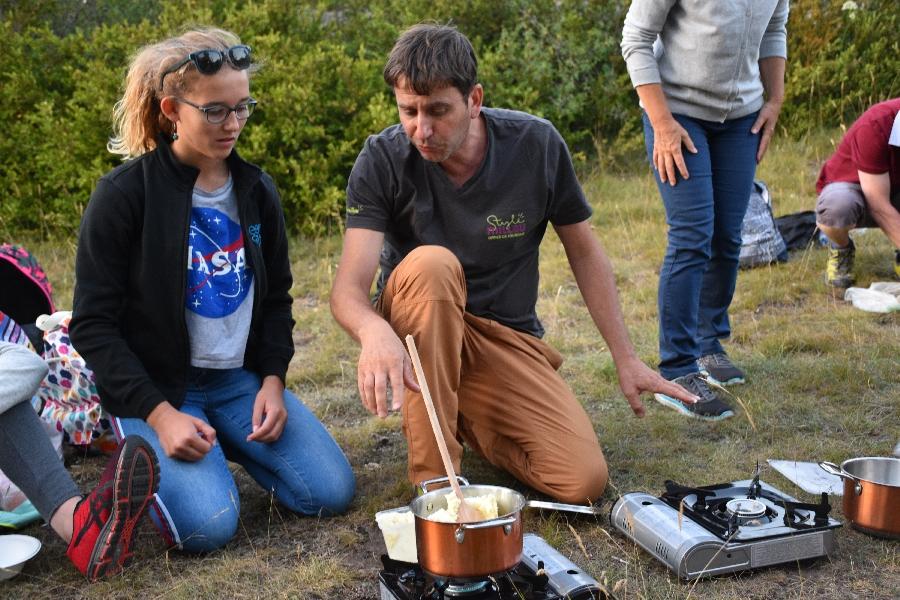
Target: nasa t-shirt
point(219, 298)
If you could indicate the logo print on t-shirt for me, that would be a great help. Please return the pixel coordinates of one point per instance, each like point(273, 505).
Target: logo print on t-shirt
point(218, 278)
point(502, 228)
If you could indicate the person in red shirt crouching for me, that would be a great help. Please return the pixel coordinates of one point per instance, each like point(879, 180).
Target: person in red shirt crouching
point(859, 186)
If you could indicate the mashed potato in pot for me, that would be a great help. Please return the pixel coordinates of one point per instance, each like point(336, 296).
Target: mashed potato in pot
point(485, 506)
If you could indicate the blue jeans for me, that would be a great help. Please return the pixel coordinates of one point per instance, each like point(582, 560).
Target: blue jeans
point(198, 504)
point(704, 214)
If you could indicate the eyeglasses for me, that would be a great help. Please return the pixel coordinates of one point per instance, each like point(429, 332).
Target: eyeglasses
point(209, 61)
point(217, 113)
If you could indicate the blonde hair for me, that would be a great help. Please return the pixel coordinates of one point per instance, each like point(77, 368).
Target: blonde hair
point(137, 117)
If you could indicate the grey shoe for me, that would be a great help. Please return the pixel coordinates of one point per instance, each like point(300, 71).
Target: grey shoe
point(839, 268)
point(719, 369)
point(710, 407)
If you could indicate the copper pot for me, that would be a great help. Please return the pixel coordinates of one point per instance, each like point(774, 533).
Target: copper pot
point(464, 551)
point(871, 493)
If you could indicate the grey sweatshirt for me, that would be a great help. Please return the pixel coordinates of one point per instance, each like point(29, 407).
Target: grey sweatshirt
point(21, 372)
point(705, 53)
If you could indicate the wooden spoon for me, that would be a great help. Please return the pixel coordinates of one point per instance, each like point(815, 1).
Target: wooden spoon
point(466, 514)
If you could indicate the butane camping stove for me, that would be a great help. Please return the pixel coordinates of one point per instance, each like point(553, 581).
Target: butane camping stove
point(723, 528)
point(543, 574)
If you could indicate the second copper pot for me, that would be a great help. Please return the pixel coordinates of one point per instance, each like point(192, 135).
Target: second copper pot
point(871, 493)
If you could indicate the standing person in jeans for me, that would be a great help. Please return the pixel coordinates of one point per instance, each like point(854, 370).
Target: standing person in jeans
point(710, 77)
point(98, 527)
point(182, 297)
point(859, 186)
point(455, 200)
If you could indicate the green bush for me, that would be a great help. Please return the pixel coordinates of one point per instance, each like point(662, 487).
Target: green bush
point(321, 91)
point(841, 61)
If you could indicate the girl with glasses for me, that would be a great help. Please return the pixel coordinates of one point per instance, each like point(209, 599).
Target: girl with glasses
point(182, 300)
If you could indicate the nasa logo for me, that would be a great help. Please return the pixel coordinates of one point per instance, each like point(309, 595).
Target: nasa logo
point(217, 272)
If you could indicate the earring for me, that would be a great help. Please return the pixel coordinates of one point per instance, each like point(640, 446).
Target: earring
point(174, 131)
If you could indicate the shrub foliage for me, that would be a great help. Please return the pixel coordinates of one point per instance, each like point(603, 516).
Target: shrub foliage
point(321, 92)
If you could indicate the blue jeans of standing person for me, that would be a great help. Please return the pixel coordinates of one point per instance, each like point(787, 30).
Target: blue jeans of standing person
point(198, 504)
point(704, 214)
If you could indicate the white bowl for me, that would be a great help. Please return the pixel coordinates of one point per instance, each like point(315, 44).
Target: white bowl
point(15, 551)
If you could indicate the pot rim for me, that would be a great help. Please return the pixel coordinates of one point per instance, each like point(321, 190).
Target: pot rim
point(859, 460)
point(477, 490)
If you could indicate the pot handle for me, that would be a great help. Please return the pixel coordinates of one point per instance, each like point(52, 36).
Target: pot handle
point(830, 467)
point(576, 508)
point(423, 485)
point(506, 522)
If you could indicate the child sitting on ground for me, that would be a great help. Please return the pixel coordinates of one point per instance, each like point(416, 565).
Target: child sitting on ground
point(98, 527)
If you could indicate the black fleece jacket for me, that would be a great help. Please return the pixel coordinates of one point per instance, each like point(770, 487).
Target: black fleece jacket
point(130, 279)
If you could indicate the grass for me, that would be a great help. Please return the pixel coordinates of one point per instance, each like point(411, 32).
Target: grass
point(824, 385)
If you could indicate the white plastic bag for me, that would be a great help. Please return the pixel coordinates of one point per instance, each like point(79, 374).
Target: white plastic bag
point(876, 298)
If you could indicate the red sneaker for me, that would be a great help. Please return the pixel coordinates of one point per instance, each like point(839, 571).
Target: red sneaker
point(105, 519)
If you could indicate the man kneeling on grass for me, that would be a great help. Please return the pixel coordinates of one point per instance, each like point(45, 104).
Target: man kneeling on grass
point(859, 186)
point(455, 200)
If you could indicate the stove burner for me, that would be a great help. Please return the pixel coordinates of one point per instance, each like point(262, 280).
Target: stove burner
point(461, 590)
point(747, 508)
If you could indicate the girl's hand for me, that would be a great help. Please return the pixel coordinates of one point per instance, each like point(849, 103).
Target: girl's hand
point(181, 435)
point(269, 413)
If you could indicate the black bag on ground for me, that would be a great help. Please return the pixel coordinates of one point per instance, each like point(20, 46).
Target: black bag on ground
point(798, 229)
point(761, 243)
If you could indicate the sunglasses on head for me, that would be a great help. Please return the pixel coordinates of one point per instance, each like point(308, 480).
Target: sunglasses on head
point(210, 60)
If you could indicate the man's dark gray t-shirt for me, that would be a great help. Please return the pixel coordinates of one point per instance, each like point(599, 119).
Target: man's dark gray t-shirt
point(494, 223)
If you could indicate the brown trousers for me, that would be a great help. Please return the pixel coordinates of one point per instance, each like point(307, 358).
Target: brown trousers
point(495, 388)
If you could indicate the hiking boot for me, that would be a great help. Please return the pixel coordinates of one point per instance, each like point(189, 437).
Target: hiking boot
point(710, 407)
point(896, 264)
point(719, 369)
point(839, 271)
point(104, 521)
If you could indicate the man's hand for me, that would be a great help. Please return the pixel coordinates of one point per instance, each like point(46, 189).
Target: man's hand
point(768, 117)
point(668, 137)
point(636, 378)
point(269, 413)
point(181, 435)
point(383, 361)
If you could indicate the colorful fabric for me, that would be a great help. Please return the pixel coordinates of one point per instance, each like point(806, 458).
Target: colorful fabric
point(12, 333)
point(69, 393)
